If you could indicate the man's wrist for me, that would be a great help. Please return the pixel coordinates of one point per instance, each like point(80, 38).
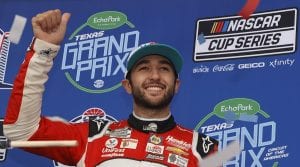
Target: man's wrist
point(45, 48)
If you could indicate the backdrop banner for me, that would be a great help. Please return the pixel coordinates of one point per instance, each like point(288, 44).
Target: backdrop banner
point(240, 78)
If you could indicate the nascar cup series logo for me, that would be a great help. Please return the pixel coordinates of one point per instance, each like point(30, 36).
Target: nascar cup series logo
point(243, 120)
point(94, 59)
point(266, 33)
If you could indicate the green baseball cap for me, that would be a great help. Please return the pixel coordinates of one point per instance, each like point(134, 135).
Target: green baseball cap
point(153, 48)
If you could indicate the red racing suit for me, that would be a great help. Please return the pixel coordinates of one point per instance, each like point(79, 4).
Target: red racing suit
point(134, 142)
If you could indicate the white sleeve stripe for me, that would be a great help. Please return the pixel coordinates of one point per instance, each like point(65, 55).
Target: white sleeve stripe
point(36, 75)
point(194, 146)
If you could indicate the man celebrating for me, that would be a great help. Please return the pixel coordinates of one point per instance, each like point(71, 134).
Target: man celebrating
point(149, 137)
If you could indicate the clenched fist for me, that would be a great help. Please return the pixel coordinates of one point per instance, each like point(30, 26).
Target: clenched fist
point(50, 26)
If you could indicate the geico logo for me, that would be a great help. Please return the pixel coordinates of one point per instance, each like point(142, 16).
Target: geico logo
point(251, 65)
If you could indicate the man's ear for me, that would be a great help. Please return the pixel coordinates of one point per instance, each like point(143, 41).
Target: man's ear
point(177, 85)
point(127, 86)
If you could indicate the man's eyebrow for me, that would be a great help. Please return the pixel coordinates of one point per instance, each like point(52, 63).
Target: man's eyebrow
point(165, 62)
point(144, 61)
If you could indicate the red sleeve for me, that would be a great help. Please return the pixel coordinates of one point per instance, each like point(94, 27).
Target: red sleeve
point(58, 130)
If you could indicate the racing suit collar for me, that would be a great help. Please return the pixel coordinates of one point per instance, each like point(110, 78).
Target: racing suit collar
point(147, 126)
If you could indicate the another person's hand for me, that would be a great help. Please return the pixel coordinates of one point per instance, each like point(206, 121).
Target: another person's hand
point(50, 26)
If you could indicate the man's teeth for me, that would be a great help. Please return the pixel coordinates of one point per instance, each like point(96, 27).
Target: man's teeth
point(154, 88)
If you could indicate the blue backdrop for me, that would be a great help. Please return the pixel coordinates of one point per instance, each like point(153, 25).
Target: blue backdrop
point(240, 79)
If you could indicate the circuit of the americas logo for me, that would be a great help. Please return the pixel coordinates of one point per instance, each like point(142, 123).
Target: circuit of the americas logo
point(4, 49)
point(266, 33)
point(243, 120)
point(90, 114)
point(94, 58)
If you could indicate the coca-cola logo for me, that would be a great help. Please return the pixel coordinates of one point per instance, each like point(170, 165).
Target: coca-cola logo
point(223, 68)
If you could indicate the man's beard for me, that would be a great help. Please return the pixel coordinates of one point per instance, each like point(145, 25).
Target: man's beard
point(141, 100)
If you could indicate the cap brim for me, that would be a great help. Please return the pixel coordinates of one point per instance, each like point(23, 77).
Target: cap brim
point(156, 49)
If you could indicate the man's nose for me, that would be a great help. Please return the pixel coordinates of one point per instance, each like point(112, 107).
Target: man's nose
point(155, 74)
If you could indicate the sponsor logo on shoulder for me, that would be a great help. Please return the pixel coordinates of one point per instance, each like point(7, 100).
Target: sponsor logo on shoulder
point(206, 144)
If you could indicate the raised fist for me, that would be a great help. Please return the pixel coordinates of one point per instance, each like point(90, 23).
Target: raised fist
point(50, 26)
